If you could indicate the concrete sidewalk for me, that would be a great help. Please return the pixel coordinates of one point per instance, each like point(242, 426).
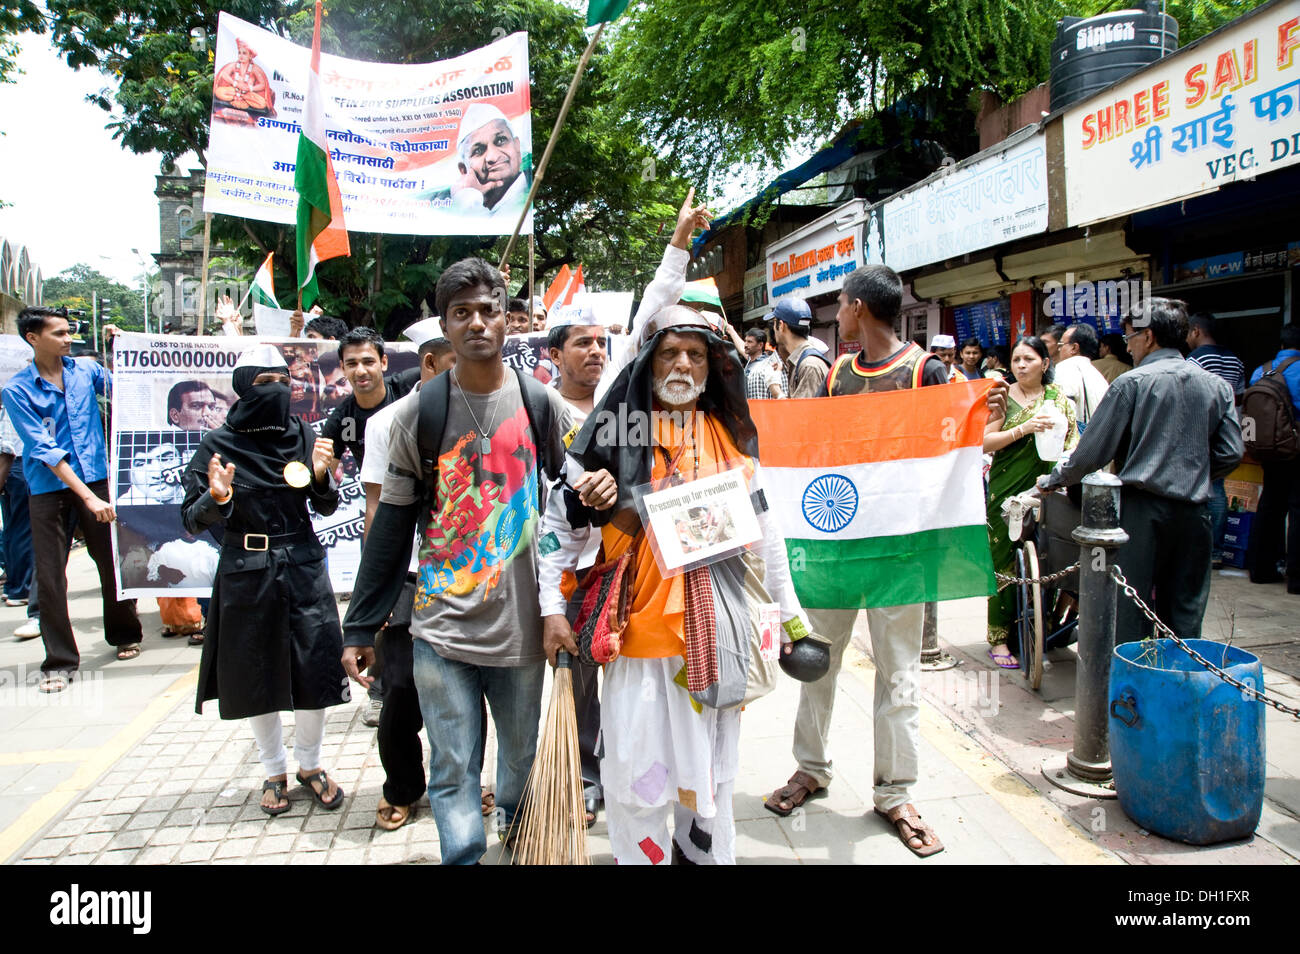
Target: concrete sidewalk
point(127, 773)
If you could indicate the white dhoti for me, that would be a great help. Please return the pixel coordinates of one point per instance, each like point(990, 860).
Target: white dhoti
point(661, 754)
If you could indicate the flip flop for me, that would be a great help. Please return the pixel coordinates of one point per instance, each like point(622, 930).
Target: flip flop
point(128, 651)
point(323, 780)
point(1004, 661)
point(280, 789)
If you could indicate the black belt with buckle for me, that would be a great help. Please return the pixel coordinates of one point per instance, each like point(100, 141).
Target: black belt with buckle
point(257, 542)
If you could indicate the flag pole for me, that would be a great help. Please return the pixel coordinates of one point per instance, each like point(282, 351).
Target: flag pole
point(550, 143)
point(532, 291)
point(203, 279)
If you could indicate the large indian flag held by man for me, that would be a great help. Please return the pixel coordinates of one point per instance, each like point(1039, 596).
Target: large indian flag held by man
point(880, 496)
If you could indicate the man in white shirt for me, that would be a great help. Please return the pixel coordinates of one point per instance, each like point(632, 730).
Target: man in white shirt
point(1075, 374)
point(578, 349)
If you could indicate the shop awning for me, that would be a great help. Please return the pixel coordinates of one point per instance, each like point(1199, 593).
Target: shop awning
point(1086, 254)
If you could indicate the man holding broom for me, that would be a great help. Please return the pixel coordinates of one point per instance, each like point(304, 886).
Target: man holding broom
point(463, 465)
point(666, 751)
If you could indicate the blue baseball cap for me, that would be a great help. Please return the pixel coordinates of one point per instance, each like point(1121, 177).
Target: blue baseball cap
point(794, 312)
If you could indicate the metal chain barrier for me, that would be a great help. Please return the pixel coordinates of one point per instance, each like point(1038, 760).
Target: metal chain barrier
point(1164, 630)
point(1025, 581)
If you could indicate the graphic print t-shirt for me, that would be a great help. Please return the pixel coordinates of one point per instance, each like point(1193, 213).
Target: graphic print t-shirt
point(476, 586)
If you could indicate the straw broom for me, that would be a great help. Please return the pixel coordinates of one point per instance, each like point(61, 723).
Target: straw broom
point(551, 828)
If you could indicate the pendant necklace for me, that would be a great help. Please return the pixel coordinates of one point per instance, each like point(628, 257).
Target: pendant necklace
point(485, 438)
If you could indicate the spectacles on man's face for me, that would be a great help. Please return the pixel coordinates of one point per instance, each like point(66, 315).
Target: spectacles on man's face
point(1134, 334)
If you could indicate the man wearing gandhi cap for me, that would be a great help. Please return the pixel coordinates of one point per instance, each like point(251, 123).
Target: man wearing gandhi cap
point(490, 163)
point(273, 639)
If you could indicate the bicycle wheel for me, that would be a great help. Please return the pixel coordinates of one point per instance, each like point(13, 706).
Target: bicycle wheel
point(1031, 634)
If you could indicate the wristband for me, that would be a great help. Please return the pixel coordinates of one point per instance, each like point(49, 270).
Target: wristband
point(795, 628)
point(221, 502)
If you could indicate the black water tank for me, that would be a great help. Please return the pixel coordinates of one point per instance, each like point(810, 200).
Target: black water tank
point(1090, 54)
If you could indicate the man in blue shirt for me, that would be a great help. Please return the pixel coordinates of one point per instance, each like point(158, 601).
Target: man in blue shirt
point(1280, 499)
point(52, 404)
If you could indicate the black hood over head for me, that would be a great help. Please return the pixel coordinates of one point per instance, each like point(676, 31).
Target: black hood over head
point(723, 397)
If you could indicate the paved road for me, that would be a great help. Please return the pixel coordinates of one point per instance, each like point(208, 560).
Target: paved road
point(121, 771)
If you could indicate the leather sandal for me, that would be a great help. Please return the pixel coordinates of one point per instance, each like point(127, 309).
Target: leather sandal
point(392, 817)
point(801, 788)
point(908, 825)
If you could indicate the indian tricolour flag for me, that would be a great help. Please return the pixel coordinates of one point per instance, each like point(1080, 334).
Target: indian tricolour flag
point(880, 496)
point(321, 233)
point(702, 292)
point(263, 290)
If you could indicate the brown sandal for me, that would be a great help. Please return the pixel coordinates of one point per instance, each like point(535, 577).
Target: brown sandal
point(801, 788)
point(909, 826)
point(488, 802)
point(392, 817)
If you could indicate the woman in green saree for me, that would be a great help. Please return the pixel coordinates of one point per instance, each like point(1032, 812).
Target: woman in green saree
point(1016, 467)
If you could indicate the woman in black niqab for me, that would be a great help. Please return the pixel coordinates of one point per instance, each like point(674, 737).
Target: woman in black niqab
point(273, 640)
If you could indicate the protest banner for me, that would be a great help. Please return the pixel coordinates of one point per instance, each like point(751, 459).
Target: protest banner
point(439, 148)
point(168, 391)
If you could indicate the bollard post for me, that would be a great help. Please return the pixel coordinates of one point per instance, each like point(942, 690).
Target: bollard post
point(933, 659)
point(1086, 769)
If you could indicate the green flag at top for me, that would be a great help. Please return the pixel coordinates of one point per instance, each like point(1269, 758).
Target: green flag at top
point(603, 11)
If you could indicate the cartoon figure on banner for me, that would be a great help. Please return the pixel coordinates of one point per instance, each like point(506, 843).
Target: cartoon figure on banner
point(244, 87)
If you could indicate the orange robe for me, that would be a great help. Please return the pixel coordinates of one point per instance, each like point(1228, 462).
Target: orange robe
point(656, 626)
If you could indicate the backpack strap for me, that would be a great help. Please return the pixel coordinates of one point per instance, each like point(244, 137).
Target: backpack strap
point(1269, 371)
point(435, 398)
point(541, 418)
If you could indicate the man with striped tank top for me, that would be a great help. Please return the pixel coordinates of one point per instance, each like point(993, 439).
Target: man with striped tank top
point(869, 304)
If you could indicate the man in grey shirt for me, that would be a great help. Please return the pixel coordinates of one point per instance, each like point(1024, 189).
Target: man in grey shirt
point(475, 620)
point(1171, 428)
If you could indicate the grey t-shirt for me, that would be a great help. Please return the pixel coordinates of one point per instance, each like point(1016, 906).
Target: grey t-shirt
point(476, 589)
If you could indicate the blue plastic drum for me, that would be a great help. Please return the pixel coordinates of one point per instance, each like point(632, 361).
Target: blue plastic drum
point(1186, 748)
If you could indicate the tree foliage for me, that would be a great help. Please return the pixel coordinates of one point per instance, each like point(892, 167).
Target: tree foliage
point(714, 84)
point(80, 285)
point(17, 17)
point(603, 201)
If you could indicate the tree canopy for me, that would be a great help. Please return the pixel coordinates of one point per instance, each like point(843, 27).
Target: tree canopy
point(714, 84)
point(79, 285)
point(603, 202)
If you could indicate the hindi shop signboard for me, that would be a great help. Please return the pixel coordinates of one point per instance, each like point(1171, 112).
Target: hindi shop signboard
point(1223, 110)
point(992, 200)
point(419, 149)
point(814, 259)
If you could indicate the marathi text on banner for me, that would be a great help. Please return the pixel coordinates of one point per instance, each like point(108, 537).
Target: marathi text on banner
point(167, 392)
point(419, 149)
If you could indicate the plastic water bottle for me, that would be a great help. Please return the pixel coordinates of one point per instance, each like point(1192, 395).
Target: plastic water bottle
point(1050, 443)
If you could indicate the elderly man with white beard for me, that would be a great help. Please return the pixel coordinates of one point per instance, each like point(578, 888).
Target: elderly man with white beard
point(665, 746)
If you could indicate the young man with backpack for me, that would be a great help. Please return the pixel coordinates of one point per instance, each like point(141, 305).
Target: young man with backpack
point(1269, 411)
point(805, 366)
point(464, 465)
